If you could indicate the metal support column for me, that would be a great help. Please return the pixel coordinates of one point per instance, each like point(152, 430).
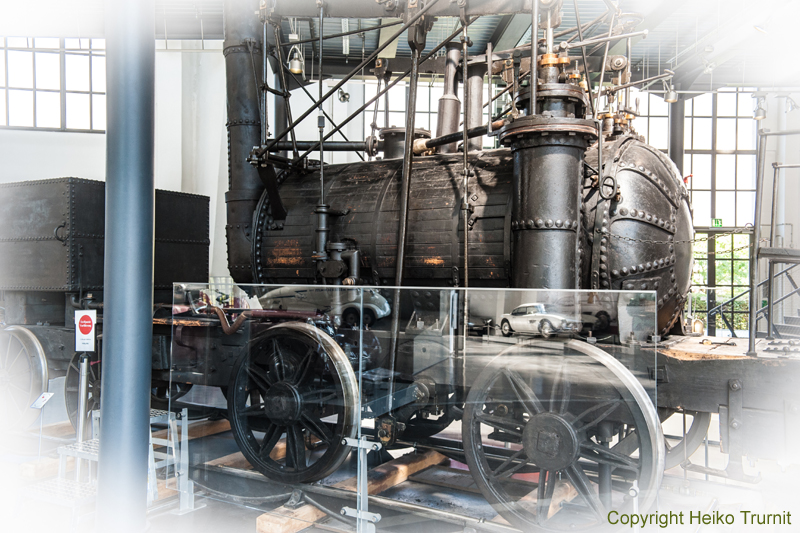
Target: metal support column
point(127, 343)
point(676, 132)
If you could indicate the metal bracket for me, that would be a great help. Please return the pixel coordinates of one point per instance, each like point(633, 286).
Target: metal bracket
point(361, 515)
point(295, 500)
point(365, 444)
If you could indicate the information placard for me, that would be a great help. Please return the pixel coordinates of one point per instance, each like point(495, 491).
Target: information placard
point(85, 324)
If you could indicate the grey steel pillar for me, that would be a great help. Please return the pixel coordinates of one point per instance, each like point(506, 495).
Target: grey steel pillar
point(475, 75)
point(449, 106)
point(676, 132)
point(128, 307)
point(243, 66)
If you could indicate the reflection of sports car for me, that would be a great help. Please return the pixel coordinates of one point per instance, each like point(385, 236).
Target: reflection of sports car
point(338, 301)
point(538, 319)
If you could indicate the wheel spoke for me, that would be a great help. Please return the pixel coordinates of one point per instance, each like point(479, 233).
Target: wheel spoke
point(16, 357)
point(524, 393)
point(583, 485)
point(498, 472)
point(305, 366)
point(547, 485)
point(8, 352)
point(503, 424)
point(607, 456)
point(563, 378)
point(277, 361)
point(605, 414)
point(295, 448)
point(330, 394)
point(271, 437)
point(316, 427)
point(253, 410)
point(260, 378)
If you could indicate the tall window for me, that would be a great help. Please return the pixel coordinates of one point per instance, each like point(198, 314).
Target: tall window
point(53, 84)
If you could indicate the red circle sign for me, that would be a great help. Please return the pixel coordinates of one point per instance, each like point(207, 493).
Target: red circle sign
point(85, 325)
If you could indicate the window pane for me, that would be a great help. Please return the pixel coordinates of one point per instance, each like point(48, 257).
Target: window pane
point(726, 171)
point(47, 42)
point(77, 72)
point(20, 69)
point(746, 105)
point(397, 120)
point(658, 106)
point(422, 98)
point(48, 110)
point(687, 133)
point(723, 273)
point(2, 70)
point(17, 42)
point(3, 107)
point(701, 203)
point(48, 71)
point(702, 134)
point(747, 134)
point(643, 101)
point(640, 125)
point(98, 44)
point(745, 205)
point(99, 74)
point(726, 134)
point(72, 44)
point(726, 104)
point(701, 170)
point(78, 111)
point(397, 98)
point(702, 105)
point(741, 246)
point(687, 109)
point(687, 167)
point(20, 108)
point(659, 132)
point(746, 171)
point(98, 111)
point(726, 207)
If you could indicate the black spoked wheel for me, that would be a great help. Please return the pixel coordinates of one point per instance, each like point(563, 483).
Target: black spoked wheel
point(561, 409)
point(680, 449)
point(292, 400)
point(23, 376)
point(71, 387)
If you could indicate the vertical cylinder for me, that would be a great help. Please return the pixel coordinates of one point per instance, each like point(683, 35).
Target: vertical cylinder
point(242, 50)
point(475, 81)
point(128, 269)
point(676, 132)
point(544, 210)
point(449, 106)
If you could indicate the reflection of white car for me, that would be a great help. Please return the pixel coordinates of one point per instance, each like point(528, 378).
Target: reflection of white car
point(338, 301)
point(597, 309)
point(537, 318)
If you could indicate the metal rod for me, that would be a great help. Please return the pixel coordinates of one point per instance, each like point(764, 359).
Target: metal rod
point(392, 84)
point(534, 54)
point(465, 202)
point(489, 64)
point(564, 45)
point(262, 150)
point(346, 33)
point(770, 263)
point(774, 215)
point(321, 117)
point(405, 194)
point(264, 88)
point(333, 146)
point(603, 70)
point(128, 269)
point(667, 74)
point(628, 56)
point(285, 88)
point(83, 390)
point(760, 161)
point(583, 53)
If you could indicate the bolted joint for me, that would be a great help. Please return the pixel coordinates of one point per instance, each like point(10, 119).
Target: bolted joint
point(735, 384)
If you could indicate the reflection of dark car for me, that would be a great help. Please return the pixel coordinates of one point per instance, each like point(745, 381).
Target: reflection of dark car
point(537, 318)
point(325, 300)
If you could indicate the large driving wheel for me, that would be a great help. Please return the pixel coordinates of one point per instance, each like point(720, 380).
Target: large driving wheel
point(680, 449)
point(23, 376)
point(72, 383)
point(293, 398)
point(561, 409)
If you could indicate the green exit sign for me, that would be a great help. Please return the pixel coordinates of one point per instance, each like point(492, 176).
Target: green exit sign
point(716, 222)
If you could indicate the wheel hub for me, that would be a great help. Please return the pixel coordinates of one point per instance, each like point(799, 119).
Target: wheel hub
point(283, 403)
point(550, 442)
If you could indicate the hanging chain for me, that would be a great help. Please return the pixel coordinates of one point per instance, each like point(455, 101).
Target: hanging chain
point(746, 229)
